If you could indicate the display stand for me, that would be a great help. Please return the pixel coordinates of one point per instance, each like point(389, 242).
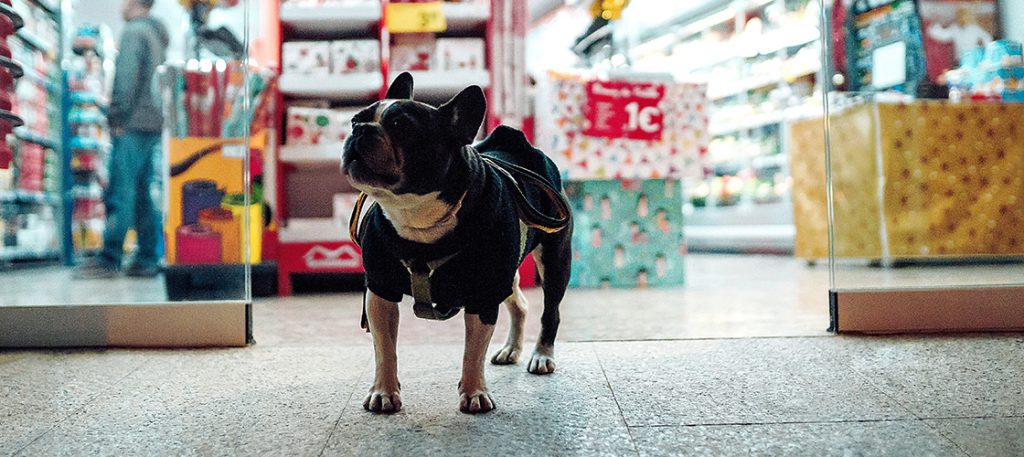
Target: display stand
point(913, 181)
point(214, 223)
point(313, 236)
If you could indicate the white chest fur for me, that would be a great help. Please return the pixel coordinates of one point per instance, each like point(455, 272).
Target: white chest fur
point(418, 218)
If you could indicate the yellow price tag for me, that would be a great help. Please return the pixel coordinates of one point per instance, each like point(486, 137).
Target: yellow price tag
point(415, 17)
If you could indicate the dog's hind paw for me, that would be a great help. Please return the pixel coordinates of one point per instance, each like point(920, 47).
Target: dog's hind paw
point(383, 402)
point(507, 355)
point(478, 401)
point(541, 364)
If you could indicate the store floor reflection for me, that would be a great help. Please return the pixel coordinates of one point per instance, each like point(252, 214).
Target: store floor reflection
point(54, 286)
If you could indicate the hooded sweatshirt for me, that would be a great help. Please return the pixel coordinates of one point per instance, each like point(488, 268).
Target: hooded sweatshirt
point(135, 101)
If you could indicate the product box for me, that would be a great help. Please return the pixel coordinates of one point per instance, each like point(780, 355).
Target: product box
point(627, 233)
point(1003, 53)
point(311, 126)
point(306, 57)
point(563, 131)
point(355, 56)
point(454, 54)
point(412, 52)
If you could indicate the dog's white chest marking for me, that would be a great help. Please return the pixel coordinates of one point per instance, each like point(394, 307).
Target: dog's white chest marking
point(419, 218)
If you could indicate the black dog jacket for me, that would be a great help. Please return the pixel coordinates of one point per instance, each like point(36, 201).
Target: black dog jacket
point(484, 250)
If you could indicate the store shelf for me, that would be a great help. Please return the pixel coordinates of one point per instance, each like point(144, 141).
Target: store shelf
point(47, 6)
point(11, 118)
point(463, 17)
point(33, 41)
point(308, 230)
point(748, 123)
point(24, 134)
point(740, 238)
point(331, 19)
point(13, 253)
point(318, 153)
point(767, 161)
point(37, 78)
point(359, 86)
point(437, 85)
point(24, 196)
point(746, 85)
point(16, 69)
point(87, 193)
point(16, 18)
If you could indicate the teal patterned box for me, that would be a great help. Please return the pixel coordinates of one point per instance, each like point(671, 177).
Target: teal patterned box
point(628, 233)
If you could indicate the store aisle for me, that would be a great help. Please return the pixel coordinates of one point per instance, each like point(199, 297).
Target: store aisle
point(720, 367)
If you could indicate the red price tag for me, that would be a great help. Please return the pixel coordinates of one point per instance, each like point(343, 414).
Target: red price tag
point(621, 109)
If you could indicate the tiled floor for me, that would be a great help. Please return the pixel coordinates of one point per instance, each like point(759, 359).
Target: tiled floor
point(735, 363)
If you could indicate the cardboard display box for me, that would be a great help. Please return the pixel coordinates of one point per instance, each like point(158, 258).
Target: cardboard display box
point(627, 233)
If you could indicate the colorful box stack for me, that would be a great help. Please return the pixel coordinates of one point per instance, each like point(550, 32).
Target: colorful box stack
point(625, 180)
point(995, 72)
point(628, 233)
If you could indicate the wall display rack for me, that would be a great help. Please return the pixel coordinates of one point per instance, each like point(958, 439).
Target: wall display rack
point(31, 165)
point(338, 56)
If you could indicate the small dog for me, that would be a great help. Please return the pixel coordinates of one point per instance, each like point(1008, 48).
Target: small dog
point(450, 227)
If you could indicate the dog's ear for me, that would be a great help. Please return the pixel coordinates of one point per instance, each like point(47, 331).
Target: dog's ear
point(465, 113)
point(401, 88)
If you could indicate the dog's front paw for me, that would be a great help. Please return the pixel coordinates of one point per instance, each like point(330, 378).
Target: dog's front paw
point(475, 401)
point(508, 355)
point(383, 401)
point(541, 363)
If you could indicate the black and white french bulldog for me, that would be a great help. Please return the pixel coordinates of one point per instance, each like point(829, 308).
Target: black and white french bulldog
point(447, 217)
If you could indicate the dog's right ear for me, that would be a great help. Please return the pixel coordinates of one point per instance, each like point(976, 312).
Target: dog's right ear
point(401, 88)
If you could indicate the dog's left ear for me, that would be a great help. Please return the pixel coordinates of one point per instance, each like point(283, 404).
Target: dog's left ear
point(465, 113)
point(401, 88)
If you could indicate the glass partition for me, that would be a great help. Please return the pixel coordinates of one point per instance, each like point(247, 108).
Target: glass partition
point(924, 165)
point(130, 182)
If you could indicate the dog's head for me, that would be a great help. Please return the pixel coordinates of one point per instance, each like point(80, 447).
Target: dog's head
point(403, 146)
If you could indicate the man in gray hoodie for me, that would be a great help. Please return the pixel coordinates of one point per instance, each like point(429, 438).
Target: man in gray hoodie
point(135, 122)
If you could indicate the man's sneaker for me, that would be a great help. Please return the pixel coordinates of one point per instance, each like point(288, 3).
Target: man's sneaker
point(142, 271)
point(93, 269)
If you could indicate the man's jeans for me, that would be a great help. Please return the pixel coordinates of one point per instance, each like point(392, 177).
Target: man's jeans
point(128, 200)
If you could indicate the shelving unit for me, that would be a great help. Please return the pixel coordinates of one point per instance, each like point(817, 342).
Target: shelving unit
point(89, 140)
point(352, 87)
point(310, 241)
point(31, 199)
point(761, 60)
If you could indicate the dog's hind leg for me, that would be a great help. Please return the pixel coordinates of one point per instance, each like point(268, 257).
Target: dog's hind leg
point(555, 257)
point(385, 394)
point(516, 304)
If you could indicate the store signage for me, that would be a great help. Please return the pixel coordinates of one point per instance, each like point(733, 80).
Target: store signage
point(321, 257)
point(622, 109)
point(415, 17)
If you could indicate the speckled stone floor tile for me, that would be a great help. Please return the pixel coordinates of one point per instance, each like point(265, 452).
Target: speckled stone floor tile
point(38, 389)
point(739, 381)
point(889, 438)
point(216, 402)
point(984, 437)
point(938, 376)
point(570, 412)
